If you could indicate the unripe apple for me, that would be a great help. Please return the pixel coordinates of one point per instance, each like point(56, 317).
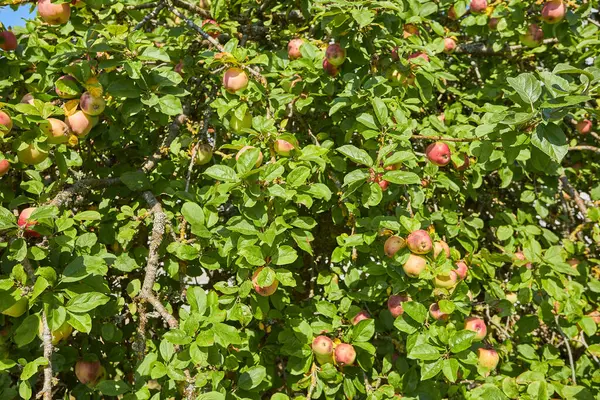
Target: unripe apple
point(92, 105)
point(335, 54)
point(478, 6)
point(418, 54)
point(235, 79)
point(6, 122)
point(283, 147)
point(392, 245)
point(436, 313)
point(452, 13)
point(419, 242)
point(203, 154)
point(533, 37)
point(330, 68)
point(449, 45)
point(8, 41)
point(344, 354)
point(63, 332)
point(583, 126)
point(493, 23)
point(462, 269)
point(211, 31)
point(266, 290)
point(4, 167)
point(476, 325)
point(414, 265)
point(438, 153)
point(80, 123)
point(17, 309)
point(56, 130)
point(362, 315)
point(31, 155)
point(28, 99)
point(554, 11)
point(409, 30)
point(439, 247)
point(54, 14)
point(243, 149)
point(238, 125)
point(322, 347)
point(394, 304)
point(445, 281)
point(294, 48)
point(68, 80)
point(25, 223)
point(88, 372)
point(488, 358)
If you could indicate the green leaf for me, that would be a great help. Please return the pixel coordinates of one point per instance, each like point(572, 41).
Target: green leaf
point(253, 255)
point(135, 181)
point(284, 255)
point(402, 177)
point(154, 53)
point(551, 140)
point(357, 155)
point(425, 352)
point(363, 331)
point(170, 105)
point(27, 330)
point(368, 121)
point(196, 297)
point(430, 370)
point(226, 334)
point(32, 367)
point(381, 110)
point(450, 369)
point(298, 176)
point(461, 340)
point(113, 388)
point(252, 377)
point(87, 216)
point(416, 311)
point(527, 86)
point(86, 302)
point(222, 173)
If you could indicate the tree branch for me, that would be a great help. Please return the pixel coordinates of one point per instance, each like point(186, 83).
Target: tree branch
point(81, 187)
point(445, 139)
point(192, 8)
point(174, 129)
point(151, 15)
point(313, 382)
point(575, 195)
point(498, 326)
point(566, 341)
point(584, 148)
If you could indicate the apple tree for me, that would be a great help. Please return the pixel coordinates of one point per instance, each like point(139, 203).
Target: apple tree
point(259, 199)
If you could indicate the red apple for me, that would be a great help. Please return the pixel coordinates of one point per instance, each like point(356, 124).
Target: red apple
point(92, 105)
point(344, 354)
point(335, 54)
point(211, 31)
point(476, 325)
point(56, 130)
point(438, 153)
point(80, 123)
point(243, 149)
point(418, 54)
point(235, 79)
point(583, 126)
point(266, 290)
point(322, 347)
point(436, 313)
point(283, 147)
point(533, 37)
point(25, 223)
point(446, 281)
point(8, 41)
point(554, 11)
point(383, 184)
point(28, 99)
point(439, 247)
point(4, 167)
point(488, 358)
point(54, 14)
point(419, 242)
point(330, 68)
point(362, 315)
point(392, 245)
point(449, 45)
point(6, 122)
point(478, 6)
point(294, 48)
point(462, 269)
point(394, 304)
point(414, 265)
point(493, 23)
point(88, 372)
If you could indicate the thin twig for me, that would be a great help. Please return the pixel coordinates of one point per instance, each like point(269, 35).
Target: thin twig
point(566, 341)
point(174, 129)
point(584, 343)
point(445, 139)
point(584, 148)
point(192, 8)
point(575, 195)
point(498, 326)
point(151, 15)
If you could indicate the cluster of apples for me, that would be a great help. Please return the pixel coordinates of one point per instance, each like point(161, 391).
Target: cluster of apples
point(328, 352)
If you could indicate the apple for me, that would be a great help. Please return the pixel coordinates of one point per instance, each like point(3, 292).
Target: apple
point(533, 37)
point(92, 105)
point(6, 122)
point(521, 257)
point(419, 242)
point(478, 6)
point(211, 31)
point(493, 23)
point(392, 245)
point(266, 290)
point(235, 79)
point(462, 269)
point(439, 247)
point(488, 358)
point(18, 308)
point(243, 149)
point(89, 372)
point(8, 41)
point(283, 147)
point(409, 30)
point(54, 14)
point(344, 354)
point(418, 54)
point(449, 45)
point(446, 281)
point(394, 304)
point(335, 54)
point(438, 153)
point(31, 155)
point(4, 167)
point(466, 163)
point(452, 13)
point(56, 130)
point(80, 123)
point(25, 223)
point(204, 4)
point(595, 315)
point(179, 67)
point(322, 347)
point(554, 11)
point(512, 297)
point(476, 325)
point(436, 313)
point(203, 154)
point(398, 78)
point(330, 68)
point(383, 184)
point(294, 48)
point(63, 332)
point(583, 126)
point(28, 99)
point(362, 315)
point(238, 125)
point(414, 265)
point(69, 81)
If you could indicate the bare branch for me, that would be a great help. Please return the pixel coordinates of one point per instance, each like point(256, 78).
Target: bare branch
point(192, 8)
point(498, 326)
point(584, 148)
point(81, 187)
point(151, 15)
point(575, 195)
point(174, 129)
